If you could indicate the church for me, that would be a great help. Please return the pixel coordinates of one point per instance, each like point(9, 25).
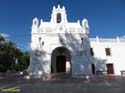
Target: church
point(59, 46)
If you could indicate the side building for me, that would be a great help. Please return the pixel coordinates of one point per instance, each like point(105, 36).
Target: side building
point(109, 55)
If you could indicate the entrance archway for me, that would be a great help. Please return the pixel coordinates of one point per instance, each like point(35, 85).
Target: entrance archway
point(61, 60)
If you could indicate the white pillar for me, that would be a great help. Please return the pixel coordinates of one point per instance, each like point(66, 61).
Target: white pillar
point(68, 66)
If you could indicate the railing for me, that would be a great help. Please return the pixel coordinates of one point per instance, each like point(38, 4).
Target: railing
point(114, 40)
point(122, 40)
point(101, 72)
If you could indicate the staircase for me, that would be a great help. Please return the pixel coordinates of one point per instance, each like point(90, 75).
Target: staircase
point(61, 76)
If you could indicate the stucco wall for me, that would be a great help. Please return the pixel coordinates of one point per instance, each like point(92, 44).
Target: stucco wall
point(117, 57)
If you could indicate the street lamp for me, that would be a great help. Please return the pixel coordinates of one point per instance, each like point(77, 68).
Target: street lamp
point(41, 43)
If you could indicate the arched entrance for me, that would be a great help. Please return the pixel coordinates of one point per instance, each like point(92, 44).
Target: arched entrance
point(61, 60)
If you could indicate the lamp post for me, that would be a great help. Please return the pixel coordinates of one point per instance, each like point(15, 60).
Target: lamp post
point(41, 43)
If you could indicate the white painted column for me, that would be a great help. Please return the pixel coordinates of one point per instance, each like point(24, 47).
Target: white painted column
point(68, 67)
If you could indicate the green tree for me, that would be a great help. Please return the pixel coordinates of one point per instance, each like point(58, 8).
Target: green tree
point(2, 53)
point(24, 62)
point(12, 57)
point(8, 54)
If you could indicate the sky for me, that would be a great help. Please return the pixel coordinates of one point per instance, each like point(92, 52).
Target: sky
point(106, 17)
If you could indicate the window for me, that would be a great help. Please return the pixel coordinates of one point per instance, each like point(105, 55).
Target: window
point(91, 51)
point(58, 18)
point(108, 51)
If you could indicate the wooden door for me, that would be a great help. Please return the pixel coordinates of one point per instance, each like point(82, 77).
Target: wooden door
point(60, 64)
point(110, 69)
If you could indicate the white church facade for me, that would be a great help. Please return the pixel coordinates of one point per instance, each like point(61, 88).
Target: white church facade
point(60, 46)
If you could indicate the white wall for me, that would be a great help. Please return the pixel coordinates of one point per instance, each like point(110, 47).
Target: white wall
point(117, 52)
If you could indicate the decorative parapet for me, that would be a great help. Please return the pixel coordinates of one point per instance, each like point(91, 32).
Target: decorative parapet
point(106, 40)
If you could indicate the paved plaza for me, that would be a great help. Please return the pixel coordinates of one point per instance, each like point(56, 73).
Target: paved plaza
point(100, 84)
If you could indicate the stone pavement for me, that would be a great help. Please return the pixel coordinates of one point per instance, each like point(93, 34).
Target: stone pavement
point(106, 84)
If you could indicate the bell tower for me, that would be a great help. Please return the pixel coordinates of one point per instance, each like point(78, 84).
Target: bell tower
point(58, 15)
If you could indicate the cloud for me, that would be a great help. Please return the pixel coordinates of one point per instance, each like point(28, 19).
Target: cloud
point(6, 36)
point(23, 47)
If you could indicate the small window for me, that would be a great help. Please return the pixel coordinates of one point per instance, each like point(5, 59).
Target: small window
point(91, 51)
point(108, 51)
point(58, 18)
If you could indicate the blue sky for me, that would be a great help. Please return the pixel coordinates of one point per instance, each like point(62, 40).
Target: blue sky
point(106, 17)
